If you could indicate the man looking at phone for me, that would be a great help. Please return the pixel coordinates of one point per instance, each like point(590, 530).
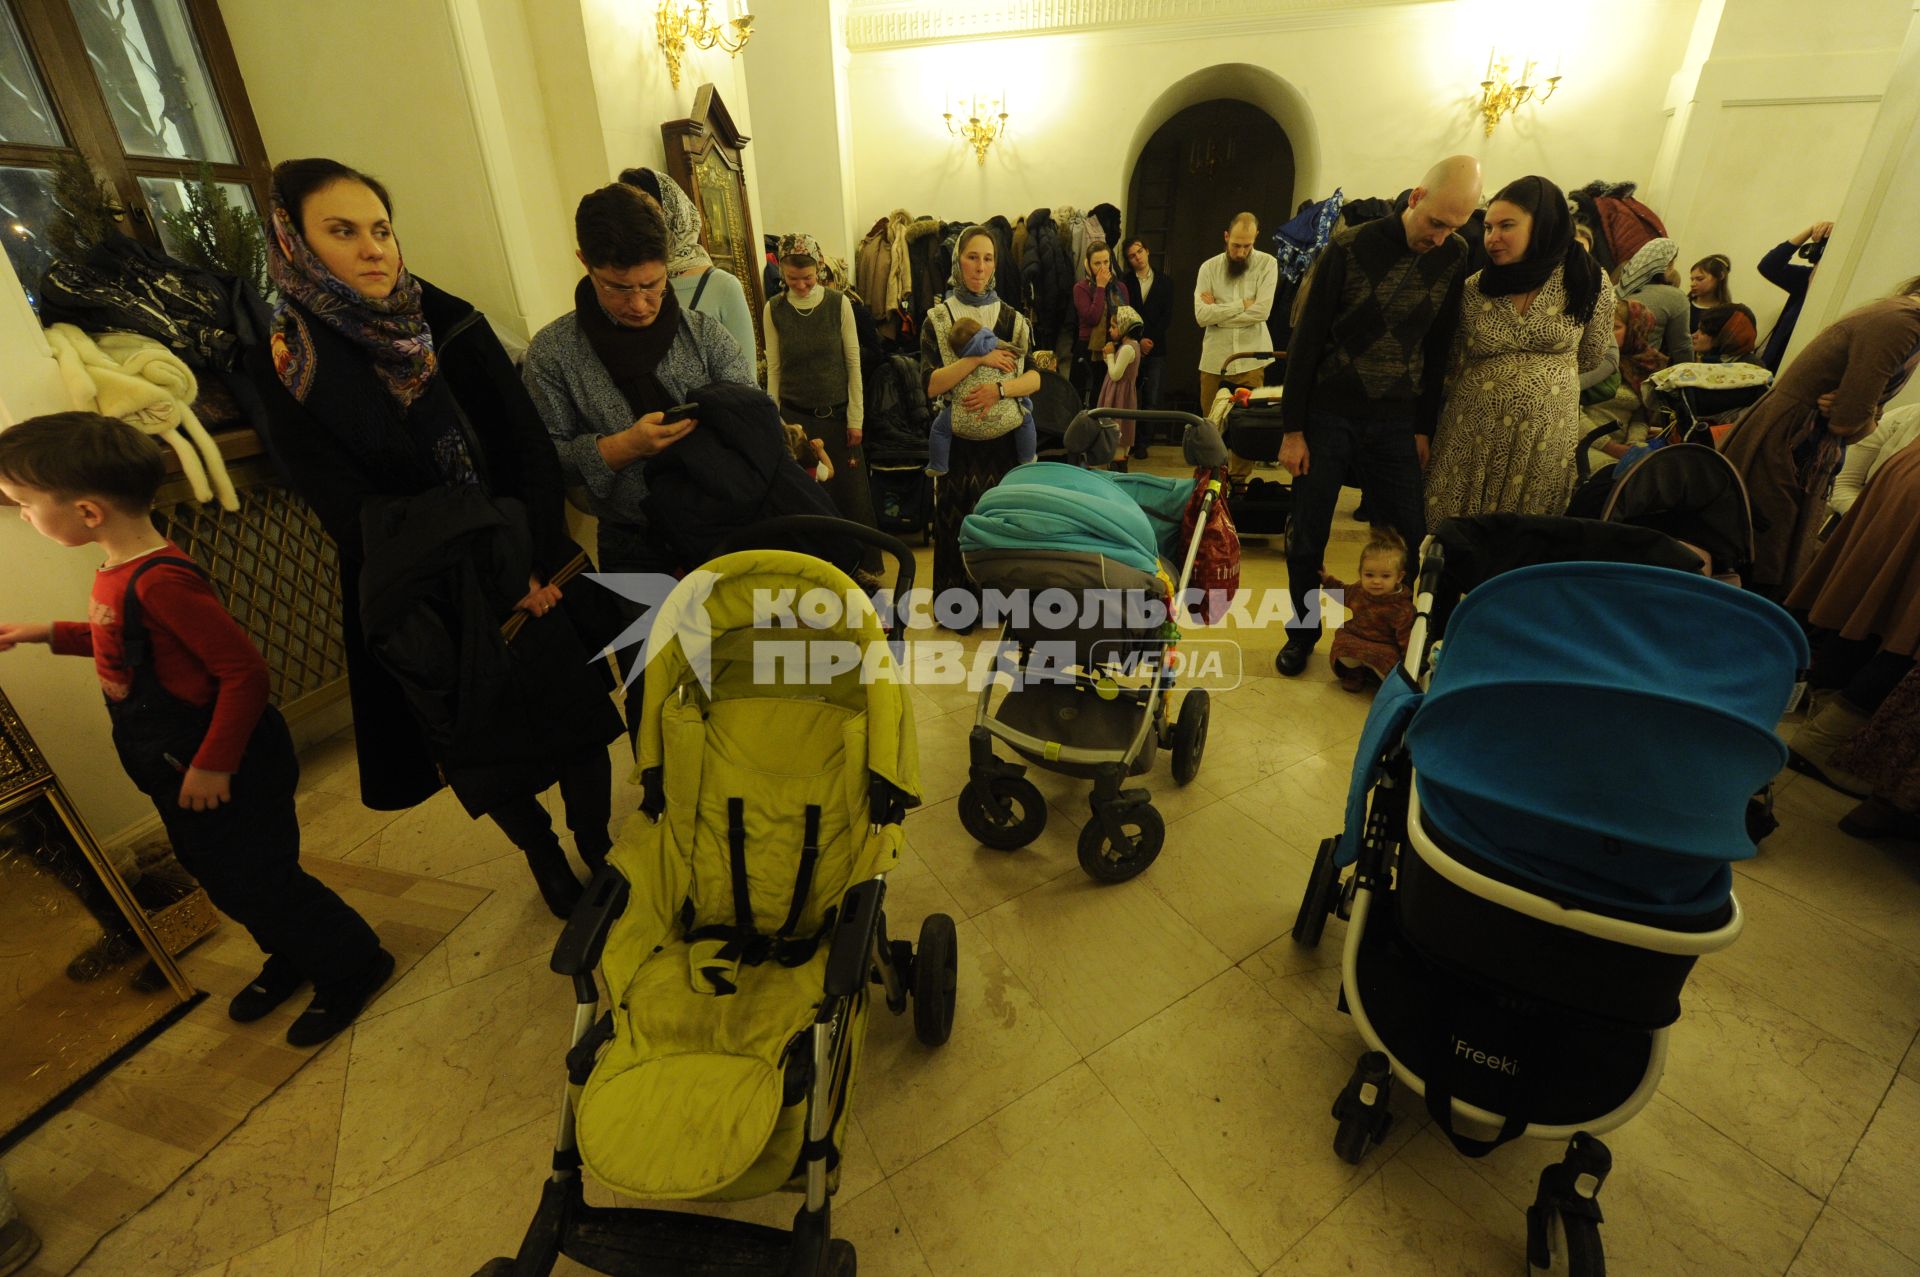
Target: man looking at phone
point(605, 375)
point(613, 378)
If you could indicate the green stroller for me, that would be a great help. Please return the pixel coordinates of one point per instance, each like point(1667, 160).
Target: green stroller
point(737, 927)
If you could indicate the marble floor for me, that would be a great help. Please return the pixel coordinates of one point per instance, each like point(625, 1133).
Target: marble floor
point(1139, 1076)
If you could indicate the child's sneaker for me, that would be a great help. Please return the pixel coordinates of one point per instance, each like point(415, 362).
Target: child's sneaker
point(334, 1009)
point(276, 982)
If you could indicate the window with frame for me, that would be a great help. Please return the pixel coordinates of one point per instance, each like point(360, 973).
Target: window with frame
point(145, 90)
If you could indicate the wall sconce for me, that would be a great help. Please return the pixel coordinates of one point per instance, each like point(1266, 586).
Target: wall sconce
point(683, 22)
point(985, 117)
point(1501, 96)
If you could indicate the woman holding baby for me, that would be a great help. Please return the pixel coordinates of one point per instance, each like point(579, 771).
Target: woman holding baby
point(978, 459)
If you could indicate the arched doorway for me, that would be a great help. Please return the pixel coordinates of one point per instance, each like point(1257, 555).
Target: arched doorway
point(1208, 162)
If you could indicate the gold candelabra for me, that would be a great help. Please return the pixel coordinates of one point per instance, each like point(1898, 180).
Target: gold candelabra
point(1501, 95)
point(985, 121)
point(683, 22)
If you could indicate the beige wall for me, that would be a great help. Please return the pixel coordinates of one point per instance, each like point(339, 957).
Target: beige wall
point(1368, 95)
point(1770, 117)
point(380, 86)
point(58, 697)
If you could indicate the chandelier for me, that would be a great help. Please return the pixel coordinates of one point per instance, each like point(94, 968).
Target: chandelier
point(984, 120)
point(690, 22)
point(1501, 95)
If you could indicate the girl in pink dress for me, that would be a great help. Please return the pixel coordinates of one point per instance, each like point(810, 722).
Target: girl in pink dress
point(1120, 388)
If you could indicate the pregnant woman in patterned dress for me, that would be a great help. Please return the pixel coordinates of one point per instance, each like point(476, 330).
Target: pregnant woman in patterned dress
point(1531, 323)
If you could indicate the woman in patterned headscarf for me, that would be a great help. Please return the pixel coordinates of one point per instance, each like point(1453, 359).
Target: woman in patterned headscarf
point(381, 386)
point(697, 282)
point(813, 373)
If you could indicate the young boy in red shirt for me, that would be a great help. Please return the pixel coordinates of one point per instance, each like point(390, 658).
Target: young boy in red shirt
point(187, 692)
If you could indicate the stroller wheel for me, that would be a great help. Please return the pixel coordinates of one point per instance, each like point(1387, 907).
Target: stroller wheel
point(1005, 817)
point(936, 983)
point(1317, 903)
point(1570, 1244)
point(1145, 831)
point(841, 1261)
point(1190, 736)
point(1361, 1108)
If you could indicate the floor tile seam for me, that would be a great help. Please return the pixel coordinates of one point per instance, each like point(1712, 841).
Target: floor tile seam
point(1429, 1181)
point(435, 1165)
point(1871, 1231)
point(1750, 991)
point(1166, 1161)
point(185, 1171)
point(1829, 915)
point(906, 1221)
point(1051, 1078)
point(1762, 1158)
point(1301, 1240)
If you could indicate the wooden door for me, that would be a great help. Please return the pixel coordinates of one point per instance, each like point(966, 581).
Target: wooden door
point(1206, 164)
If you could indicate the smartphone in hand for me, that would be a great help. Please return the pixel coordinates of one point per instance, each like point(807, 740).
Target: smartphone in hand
point(680, 411)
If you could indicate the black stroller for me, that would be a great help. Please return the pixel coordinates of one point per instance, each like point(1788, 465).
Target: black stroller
point(1518, 935)
point(1687, 490)
point(1254, 432)
point(897, 422)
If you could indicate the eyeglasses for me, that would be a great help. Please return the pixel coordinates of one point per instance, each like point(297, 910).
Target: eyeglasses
point(652, 292)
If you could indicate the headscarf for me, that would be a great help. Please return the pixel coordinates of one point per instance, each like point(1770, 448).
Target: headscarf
point(1125, 320)
point(1732, 330)
point(957, 284)
point(1551, 246)
point(391, 330)
point(1648, 265)
point(684, 252)
point(800, 246)
point(1641, 354)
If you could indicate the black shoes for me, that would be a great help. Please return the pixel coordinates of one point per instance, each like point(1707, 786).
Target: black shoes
point(1293, 657)
point(554, 876)
point(334, 1009)
point(276, 982)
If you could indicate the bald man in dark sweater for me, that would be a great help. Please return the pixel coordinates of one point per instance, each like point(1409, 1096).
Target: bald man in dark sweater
point(1364, 373)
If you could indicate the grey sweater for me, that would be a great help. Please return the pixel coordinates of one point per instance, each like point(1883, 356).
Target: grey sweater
point(580, 404)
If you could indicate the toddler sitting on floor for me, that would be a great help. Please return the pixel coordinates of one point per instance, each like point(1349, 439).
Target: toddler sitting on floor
point(1374, 639)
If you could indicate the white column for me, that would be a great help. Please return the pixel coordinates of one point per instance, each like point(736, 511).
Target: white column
point(1876, 233)
point(796, 67)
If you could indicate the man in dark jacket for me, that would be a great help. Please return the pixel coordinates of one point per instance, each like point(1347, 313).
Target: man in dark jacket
point(1364, 374)
point(1152, 294)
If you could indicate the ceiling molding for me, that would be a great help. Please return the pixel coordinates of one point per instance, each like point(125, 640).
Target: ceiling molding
point(898, 24)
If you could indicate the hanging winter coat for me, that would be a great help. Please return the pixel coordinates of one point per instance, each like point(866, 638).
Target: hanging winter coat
point(899, 280)
point(730, 473)
point(927, 280)
point(207, 320)
point(1020, 247)
point(872, 264)
point(1073, 237)
point(1006, 270)
point(896, 408)
point(1048, 278)
point(1108, 219)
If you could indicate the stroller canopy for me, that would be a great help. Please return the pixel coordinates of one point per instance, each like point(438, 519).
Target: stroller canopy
point(1052, 506)
point(1691, 493)
point(1599, 727)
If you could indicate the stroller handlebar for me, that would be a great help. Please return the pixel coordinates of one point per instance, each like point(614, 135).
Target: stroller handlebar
point(1231, 360)
point(777, 534)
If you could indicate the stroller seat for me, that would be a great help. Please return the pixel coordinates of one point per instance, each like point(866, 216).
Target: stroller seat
point(700, 1047)
point(738, 927)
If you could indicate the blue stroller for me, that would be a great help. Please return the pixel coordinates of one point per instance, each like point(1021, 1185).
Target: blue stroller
point(1525, 900)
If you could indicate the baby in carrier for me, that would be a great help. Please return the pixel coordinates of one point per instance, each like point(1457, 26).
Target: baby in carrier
point(971, 341)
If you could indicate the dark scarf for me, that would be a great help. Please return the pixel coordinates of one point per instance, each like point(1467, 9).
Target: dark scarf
point(1551, 245)
point(631, 356)
point(391, 332)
